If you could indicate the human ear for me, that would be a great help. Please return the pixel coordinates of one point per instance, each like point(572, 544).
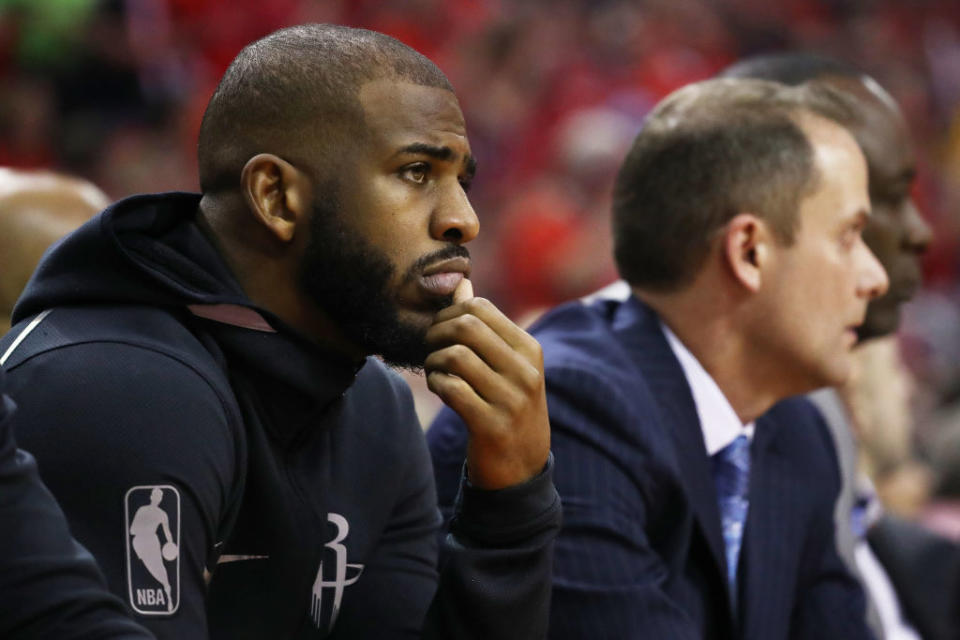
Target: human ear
point(745, 249)
point(276, 192)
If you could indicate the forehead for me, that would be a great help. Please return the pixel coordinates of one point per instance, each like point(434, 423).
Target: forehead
point(841, 168)
point(886, 143)
point(398, 113)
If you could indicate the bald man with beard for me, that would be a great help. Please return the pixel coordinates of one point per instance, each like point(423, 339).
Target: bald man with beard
point(221, 355)
point(37, 208)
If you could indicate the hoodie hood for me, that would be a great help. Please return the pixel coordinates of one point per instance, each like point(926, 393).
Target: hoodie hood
point(141, 250)
point(147, 250)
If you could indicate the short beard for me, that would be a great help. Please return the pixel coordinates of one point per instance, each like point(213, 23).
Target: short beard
point(349, 279)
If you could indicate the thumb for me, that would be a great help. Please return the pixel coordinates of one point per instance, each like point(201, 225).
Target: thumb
point(463, 292)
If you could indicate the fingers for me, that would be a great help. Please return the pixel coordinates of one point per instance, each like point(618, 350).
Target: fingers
point(463, 292)
point(489, 385)
point(490, 372)
point(458, 395)
point(481, 308)
point(470, 331)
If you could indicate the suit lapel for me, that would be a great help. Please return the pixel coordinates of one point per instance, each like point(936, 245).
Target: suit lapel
point(771, 538)
point(639, 328)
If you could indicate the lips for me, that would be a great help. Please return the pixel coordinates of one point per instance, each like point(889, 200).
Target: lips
point(441, 284)
point(852, 331)
point(442, 278)
point(850, 336)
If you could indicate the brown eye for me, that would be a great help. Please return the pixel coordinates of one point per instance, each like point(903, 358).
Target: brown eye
point(416, 173)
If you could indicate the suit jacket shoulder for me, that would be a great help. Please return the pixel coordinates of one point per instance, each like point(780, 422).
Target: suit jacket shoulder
point(598, 392)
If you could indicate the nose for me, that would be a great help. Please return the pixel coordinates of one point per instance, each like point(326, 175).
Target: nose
point(454, 219)
point(917, 234)
point(872, 281)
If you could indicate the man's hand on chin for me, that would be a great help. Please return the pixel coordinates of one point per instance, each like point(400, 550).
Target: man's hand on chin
point(490, 371)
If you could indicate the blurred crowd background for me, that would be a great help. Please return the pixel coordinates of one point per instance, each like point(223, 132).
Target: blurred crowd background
point(553, 92)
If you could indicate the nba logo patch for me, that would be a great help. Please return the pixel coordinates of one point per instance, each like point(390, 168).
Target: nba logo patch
point(152, 526)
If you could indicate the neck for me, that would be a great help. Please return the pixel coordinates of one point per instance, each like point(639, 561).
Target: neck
point(268, 277)
point(709, 326)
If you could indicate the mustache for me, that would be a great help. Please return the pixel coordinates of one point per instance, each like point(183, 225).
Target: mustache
point(451, 251)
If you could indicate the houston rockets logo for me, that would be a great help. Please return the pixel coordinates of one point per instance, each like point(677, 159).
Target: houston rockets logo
point(329, 585)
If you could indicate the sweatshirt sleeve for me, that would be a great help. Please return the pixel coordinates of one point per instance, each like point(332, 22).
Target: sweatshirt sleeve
point(492, 579)
point(50, 586)
point(143, 458)
point(495, 562)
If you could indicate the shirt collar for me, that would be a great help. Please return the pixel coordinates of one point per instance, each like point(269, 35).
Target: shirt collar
point(718, 420)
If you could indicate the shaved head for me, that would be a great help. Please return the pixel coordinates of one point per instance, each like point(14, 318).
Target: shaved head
point(796, 68)
point(295, 93)
point(36, 209)
point(790, 68)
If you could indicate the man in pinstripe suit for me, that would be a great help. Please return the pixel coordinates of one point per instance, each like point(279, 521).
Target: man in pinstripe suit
point(696, 503)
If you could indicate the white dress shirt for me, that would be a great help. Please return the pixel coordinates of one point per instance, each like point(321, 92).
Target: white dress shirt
point(718, 420)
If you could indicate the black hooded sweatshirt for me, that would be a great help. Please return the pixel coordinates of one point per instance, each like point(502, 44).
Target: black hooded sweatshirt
point(187, 432)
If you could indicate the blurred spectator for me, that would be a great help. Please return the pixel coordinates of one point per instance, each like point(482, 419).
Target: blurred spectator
point(878, 400)
point(36, 209)
point(942, 514)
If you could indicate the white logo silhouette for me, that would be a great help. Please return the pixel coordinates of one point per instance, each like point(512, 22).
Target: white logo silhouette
point(143, 537)
point(340, 580)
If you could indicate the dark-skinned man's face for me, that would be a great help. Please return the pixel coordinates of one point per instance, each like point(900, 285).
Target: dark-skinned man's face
point(388, 227)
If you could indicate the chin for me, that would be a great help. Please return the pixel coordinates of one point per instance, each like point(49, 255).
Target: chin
point(415, 321)
point(879, 322)
point(838, 374)
point(832, 372)
point(402, 344)
point(408, 355)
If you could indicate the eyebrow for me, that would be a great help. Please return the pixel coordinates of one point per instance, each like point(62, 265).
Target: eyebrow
point(440, 153)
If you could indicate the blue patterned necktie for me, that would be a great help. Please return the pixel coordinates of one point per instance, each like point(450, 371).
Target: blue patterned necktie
point(731, 474)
